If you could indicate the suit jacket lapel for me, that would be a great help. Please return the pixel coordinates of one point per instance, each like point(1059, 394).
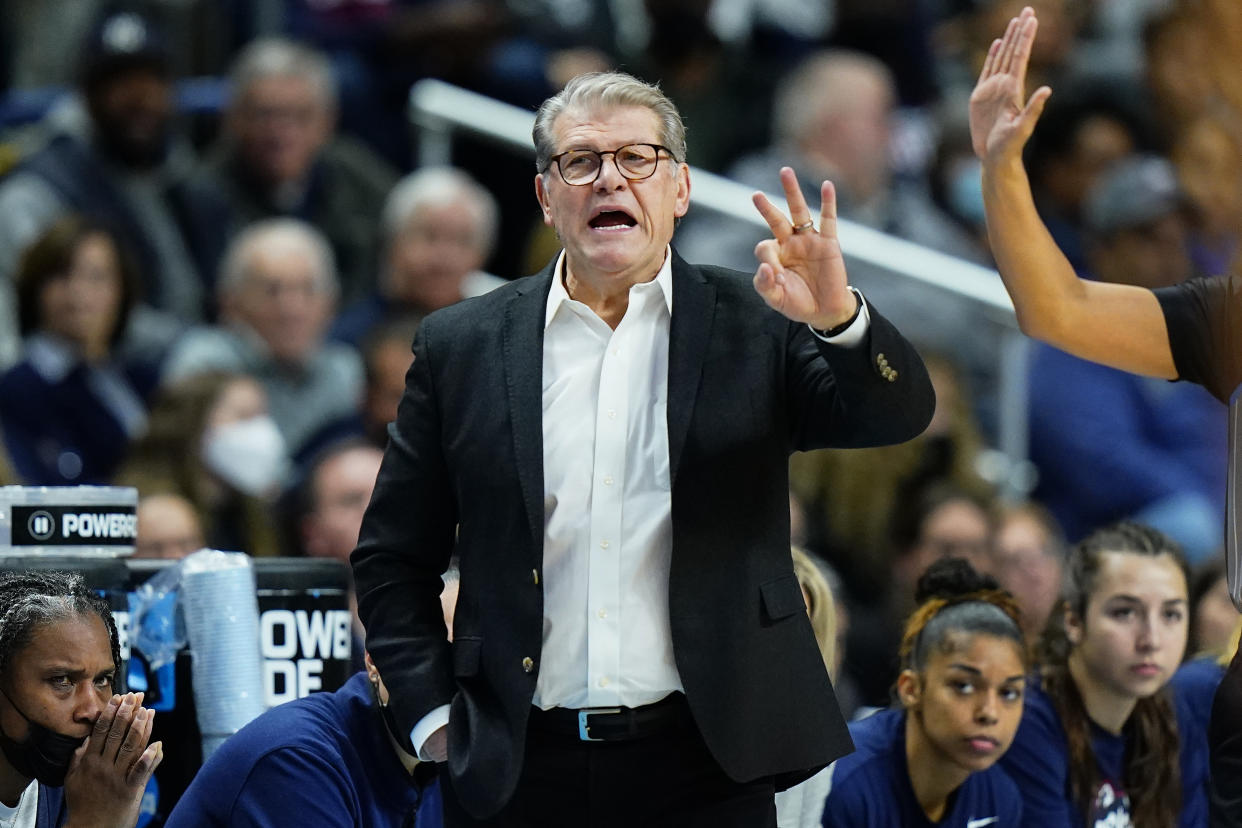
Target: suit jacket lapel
point(694, 305)
point(523, 360)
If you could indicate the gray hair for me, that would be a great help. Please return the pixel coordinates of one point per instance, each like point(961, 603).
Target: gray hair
point(441, 187)
point(278, 57)
point(607, 90)
point(283, 234)
point(823, 84)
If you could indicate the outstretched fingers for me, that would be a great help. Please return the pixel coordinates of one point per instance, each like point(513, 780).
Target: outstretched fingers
point(828, 210)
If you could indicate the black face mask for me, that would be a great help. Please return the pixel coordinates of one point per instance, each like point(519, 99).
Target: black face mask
point(45, 755)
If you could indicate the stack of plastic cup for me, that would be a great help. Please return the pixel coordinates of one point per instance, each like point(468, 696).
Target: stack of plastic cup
point(222, 626)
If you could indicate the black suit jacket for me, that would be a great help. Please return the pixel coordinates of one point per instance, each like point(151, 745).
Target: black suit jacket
point(464, 471)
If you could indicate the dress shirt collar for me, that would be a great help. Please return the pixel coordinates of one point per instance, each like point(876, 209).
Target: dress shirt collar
point(558, 295)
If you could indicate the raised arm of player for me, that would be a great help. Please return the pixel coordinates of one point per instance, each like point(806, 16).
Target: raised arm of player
point(1117, 325)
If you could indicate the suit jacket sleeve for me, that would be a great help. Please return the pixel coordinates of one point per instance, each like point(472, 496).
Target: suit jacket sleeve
point(404, 546)
point(871, 394)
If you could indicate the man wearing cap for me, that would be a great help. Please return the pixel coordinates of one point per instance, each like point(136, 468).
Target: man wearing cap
point(1111, 445)
point(114, 156)
point(1190, 331)
point(605, 446)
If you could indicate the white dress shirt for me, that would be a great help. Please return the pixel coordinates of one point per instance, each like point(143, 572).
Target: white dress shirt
point(607, 502)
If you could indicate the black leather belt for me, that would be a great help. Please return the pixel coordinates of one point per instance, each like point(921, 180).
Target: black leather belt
point(614, 724)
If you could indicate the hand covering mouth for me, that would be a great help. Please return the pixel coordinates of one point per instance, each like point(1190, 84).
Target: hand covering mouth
point(612, 218)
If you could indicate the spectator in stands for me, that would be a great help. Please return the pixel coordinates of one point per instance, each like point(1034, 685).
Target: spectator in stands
point(387, 353)
point(939, 521)
point(279, 155)
point(832, 119)
point(337, 491)
point(324, 759)
point(439, 225)
point(277, 291)
point(211, 441)
point(59, 662)
point(1208, 155)
point(168, 527)
point(123, 162)
point(1213, 618)
point(933, 760)
point(72, 405)
point(1112, 445)
point(1028, 555)
point(1177, 79)
point(1080, 136)
point(1100, 742)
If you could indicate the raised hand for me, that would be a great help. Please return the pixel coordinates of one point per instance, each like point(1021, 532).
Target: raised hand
point(109, 773)
point(1001, 118)
point(801, 271)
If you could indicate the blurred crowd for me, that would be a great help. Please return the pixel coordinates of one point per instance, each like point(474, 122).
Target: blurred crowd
point(216, 246)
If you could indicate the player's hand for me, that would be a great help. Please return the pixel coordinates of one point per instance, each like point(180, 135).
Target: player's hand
point(109, 772)
point(801, 271)
point(1001, 118)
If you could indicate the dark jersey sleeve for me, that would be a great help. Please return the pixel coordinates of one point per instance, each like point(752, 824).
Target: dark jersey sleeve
point(1204, 320)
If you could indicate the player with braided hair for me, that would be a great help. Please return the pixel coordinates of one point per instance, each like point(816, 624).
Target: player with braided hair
point(932, 760)
point(71, 751)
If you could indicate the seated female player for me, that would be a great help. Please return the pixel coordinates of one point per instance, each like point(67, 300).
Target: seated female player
point(71, 752)
point(933, 760)
point(1101, 738)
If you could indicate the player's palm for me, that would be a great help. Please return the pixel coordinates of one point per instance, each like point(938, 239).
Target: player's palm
point(1001, 118)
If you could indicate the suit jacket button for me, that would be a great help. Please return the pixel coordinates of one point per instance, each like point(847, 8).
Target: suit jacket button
point(528, 665)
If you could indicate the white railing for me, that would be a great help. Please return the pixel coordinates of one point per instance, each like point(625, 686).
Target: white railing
point(438, 110)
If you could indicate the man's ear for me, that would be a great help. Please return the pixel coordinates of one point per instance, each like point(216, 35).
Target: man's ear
point(909, 689)
point(541, 195)
point(682, 204)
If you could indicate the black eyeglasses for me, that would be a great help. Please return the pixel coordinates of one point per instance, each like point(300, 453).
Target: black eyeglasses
point(634, 161)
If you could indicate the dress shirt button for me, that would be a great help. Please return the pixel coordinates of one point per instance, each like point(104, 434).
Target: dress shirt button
point(603, 544)
point(528, 665)
point(608, 480)
point(603, 613)
point(603, 682)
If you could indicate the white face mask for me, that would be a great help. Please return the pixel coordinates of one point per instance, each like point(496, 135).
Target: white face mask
point(249, 455)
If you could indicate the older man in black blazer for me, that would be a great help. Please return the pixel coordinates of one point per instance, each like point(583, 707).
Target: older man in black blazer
point(604, 445)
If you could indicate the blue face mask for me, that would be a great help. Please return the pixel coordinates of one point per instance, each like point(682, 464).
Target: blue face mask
point(44, 755)
point(965, 191)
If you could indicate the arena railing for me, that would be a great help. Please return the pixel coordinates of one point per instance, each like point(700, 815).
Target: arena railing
point(439, 110)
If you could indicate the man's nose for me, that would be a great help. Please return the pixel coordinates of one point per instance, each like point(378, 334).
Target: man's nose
point(610, 177)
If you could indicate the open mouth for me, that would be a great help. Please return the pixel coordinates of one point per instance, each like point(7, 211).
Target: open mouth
point(612, 219)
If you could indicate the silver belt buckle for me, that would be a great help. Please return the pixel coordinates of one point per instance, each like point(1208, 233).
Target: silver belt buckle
point(584, 729)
